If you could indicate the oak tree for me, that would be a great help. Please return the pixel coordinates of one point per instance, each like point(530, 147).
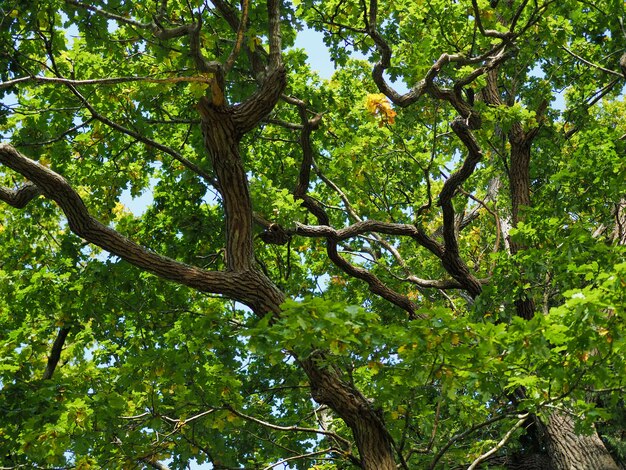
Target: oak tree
point(210, 254)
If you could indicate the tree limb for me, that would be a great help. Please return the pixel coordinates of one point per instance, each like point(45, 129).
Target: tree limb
point(247, 287)
point(463, 435)
point(103, 81)
point(500, 444)
point(18, 198)
point(228, 65)
point(55, 353)
point(276, 427)
point(302, 456)
point(452, 260)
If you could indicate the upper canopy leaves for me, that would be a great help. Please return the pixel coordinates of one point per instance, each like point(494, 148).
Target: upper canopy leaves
point(463, 158)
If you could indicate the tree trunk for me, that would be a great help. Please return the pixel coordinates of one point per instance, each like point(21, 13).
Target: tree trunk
point(571, 451)
point(222, 129)
point(519, 182)
point(567, 449)
point(368, 428)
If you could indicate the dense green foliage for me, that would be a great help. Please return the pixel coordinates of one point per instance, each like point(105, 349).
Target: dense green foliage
point(155, 371)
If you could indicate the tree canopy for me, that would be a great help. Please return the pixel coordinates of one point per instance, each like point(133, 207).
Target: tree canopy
point(417, 263)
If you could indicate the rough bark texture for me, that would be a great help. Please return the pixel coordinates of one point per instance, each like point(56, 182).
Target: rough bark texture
point(519, 182)
point(222, 142)
point(366, 422)
point(571, 451)
point(222, 128)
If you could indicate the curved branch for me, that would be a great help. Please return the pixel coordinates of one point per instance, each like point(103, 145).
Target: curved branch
point(248, 114)
point(491, 33)
point(493, 57)
point(367, 226)
point(346, 202)
point(451, 260)
point(376, 286)
point(19, 197)
point(276, 427)
point(228, 65)
point(591, 64)
point(248, 287)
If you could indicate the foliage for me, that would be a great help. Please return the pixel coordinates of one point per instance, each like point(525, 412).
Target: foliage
point(156, 371)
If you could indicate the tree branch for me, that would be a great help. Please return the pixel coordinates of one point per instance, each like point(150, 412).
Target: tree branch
point(253, 110)
point(499, 445)
point(276, 427)
point(591, 64)
point(228, 65)
point(18, 198)
point(111, 16)
point(275, 37)
point(463, 435)
point(368, 226)
point(247, 287)
point(152, 462)
point(302, 456)
point(55, 353)
point(451, 260)
point(103, 81)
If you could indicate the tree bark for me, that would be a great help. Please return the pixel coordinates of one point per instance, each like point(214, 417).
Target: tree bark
point(366, 423)
point(571, 451)
point(519, 186)
point(222, 128)
point(567, 449)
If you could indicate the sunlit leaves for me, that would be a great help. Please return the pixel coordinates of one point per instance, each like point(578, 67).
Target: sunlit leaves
point(145, 358)
point(378, 105)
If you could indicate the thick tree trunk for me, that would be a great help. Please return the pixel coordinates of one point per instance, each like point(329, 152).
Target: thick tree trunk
point(222, 129)
point(571, 451)
point(368, 428)
point(567, 449)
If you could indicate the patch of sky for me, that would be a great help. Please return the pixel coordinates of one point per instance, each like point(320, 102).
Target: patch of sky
point(139, 204)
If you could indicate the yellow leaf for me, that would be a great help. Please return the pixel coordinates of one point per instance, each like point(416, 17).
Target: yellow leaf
point(120, 210)
point(378, 104)
point(375, 366)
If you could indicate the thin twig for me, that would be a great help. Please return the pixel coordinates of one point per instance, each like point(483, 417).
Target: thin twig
point(302, 456)
point(288, 428)
point(591, 64)
point(499, 445)
point(105, 81)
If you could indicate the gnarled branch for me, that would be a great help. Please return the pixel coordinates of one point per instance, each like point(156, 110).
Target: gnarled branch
point(248, 287)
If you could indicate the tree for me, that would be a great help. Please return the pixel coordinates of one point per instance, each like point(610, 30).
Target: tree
point(416, 263)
